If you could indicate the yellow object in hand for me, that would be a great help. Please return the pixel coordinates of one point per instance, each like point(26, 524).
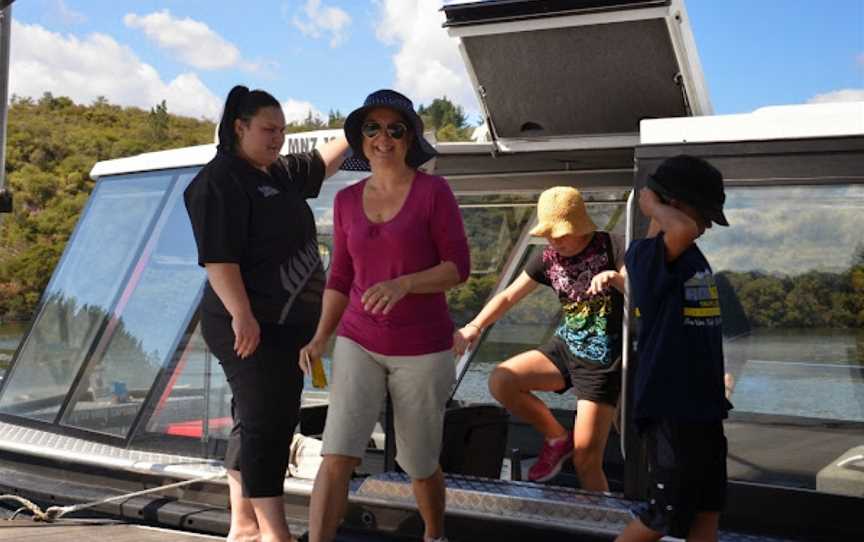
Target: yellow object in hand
point(319, 377)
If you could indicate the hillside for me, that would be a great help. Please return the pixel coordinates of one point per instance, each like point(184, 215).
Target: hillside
point(52, 144)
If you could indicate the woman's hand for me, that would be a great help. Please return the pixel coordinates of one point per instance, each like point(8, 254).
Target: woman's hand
point(312, 351)
point(601, 282)
point(247, 334)
point(463, 339)
point(382, 297)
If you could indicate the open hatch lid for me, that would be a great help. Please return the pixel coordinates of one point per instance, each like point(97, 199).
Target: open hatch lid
point(556, 74)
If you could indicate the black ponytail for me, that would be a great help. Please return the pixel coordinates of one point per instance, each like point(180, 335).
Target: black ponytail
point(243, 104)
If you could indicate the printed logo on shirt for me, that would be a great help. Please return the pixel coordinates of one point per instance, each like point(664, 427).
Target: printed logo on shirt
point(701, 301)
point(298, 273)
point(585, 317)
point(268, 191)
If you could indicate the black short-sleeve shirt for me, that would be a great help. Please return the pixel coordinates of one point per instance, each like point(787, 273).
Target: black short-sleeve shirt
point(680, 342)
point(261, 222)
point(590, 324)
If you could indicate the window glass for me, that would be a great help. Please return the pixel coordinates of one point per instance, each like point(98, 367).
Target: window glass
point(790, 273)
point(525, 326)
point(197, 391)
point(322, 208)
point(10, 335)
point(493, 225)
point(154, 309)
point(82, 291)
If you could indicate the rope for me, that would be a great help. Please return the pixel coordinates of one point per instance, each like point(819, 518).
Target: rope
point(16, 512)
point(54, 513)
point(26, 505)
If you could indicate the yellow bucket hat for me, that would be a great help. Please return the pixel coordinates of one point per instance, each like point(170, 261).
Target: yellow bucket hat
point(561, 211)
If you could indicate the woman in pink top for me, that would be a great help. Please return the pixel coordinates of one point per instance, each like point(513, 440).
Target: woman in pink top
point(399, 244)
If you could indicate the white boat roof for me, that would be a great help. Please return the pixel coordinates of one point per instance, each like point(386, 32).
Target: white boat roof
point(776, 122)
point(200, 155)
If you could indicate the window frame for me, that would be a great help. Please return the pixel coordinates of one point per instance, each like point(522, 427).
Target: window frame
point(56, 425)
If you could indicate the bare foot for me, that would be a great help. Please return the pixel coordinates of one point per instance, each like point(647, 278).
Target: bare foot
point(243, 537)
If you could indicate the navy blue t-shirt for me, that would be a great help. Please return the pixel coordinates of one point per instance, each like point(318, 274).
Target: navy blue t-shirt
point(680, 342)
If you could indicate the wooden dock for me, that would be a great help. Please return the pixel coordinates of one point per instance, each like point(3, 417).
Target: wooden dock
point(27, 530)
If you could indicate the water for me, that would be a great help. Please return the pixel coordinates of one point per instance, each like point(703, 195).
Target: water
point(813, 373)
point(799, 372)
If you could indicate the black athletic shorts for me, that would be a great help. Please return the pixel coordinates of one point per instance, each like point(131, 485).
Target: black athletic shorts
point(686, 473)
point(265, 402)
point(590, 380)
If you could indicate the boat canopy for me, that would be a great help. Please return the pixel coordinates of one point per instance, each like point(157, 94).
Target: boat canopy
point(552, 74)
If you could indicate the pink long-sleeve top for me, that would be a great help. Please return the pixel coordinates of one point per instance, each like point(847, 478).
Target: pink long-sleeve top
point(426, 231)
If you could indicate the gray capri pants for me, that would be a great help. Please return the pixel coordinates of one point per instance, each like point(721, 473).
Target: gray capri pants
point(419, 387)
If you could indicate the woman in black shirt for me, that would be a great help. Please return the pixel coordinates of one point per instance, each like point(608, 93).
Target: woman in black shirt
point(256, 238)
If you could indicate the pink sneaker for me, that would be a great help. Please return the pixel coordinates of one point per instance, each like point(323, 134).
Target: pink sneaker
point(551, 459)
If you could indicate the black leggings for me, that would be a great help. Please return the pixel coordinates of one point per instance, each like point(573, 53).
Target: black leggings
point(266, 388)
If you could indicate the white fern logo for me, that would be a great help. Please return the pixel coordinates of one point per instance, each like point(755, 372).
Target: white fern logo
point(297, 272)
point(267, 191)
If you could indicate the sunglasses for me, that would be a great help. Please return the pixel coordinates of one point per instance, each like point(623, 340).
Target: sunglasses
point(397, 130)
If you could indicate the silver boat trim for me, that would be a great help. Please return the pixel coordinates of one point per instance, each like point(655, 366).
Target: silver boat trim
point(46, 445)
point(527, 503)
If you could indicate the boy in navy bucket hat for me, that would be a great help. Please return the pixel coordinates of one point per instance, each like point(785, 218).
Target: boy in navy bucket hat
point(678, 390)
point(693, 181)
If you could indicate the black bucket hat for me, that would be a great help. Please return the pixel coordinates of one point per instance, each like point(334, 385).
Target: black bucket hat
point(421, 151)
point(693, 181)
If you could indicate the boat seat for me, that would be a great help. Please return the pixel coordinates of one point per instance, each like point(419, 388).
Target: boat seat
point(845, 475)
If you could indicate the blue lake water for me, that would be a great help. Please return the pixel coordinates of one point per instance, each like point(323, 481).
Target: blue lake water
point(809, 373)
point(798, 372)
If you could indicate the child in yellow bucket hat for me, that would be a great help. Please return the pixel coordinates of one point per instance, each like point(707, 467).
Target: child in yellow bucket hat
point(561, 211)
point(585, 269)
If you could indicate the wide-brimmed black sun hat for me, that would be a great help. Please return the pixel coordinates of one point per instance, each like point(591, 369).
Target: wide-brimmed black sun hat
point(693, 181)
point(421, 151)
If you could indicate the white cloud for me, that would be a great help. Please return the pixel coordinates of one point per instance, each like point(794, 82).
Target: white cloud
point(297, 111)
point(428, 64)
point(192, 41)
point(67, 14)
point(97, 65)
point(318, 20)
point(786, 230)
point(843, 95)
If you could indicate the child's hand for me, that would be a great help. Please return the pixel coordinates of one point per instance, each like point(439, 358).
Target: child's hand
point(464, 338)
point(648, 201)
point(601, 281)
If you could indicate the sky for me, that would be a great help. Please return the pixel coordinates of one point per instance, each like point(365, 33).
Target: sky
point(323, 55)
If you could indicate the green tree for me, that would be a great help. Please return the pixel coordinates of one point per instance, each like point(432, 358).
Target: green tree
point(309, 123)
point(158, 121)
point(335, 119)
point(442, 112)
point(764, 301)
point(447, 119)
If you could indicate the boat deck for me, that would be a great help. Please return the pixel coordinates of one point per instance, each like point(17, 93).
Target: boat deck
point(25, 530)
